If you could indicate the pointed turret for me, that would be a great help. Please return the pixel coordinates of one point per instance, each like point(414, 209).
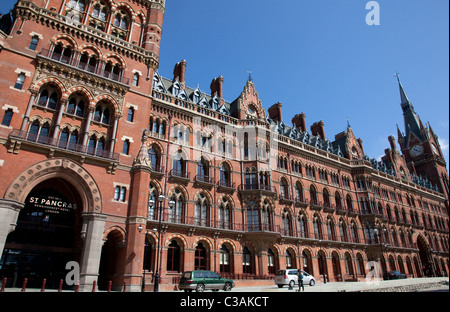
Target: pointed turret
point(412, 120)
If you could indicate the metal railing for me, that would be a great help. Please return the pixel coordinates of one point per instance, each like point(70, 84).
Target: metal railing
point(65, 145)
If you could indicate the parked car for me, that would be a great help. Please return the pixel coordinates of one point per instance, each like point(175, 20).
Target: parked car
point(204, 280)
point(290, 277)
point(394, 275)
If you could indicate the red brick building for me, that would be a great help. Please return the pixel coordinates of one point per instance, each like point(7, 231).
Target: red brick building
point(104, 162)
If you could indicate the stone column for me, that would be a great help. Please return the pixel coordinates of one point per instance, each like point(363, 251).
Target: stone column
point(93, 229)
point(9, 213)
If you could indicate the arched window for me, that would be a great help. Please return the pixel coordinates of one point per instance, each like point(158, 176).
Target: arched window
point(284, 189)
point(303, 226)
point(76, 105)
point(286, 223)
point(102, 113)
point(326, 198)
point(73, 140)
point(343, 231)
point(225, 175)
point(290, 260)
point(313, 195)
point(270, 261)
point(246, 261)
point(176, 210)
point(224, 214)
point(48, 98)
point(178, 166)
point(154, 156)
point(252, 217)
point(202, 211)
point(267, 219)
point(317, 226)
point(121, 25)
point(173, 257)
point(153, 203)
point(44, 133)
point(299, 192)
point(349, 203)
point(330, 230)
point(200, 260)
point(64, 138)
point(338, 200)
point(203, 169)
point(354, 232)
point(348, 264)
point(225, 260)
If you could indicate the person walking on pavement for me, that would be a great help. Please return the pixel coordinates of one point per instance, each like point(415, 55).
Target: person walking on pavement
point(300, 281)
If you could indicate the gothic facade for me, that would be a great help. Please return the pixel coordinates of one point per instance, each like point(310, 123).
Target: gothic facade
point(106, 163)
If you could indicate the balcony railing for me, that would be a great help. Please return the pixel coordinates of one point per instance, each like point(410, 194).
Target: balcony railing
point(59, 144)
point(74, 62)
point(257, 187)
point(179, 174)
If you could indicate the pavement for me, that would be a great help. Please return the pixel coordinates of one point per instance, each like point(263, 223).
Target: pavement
point(435, 284)
point(406, 285)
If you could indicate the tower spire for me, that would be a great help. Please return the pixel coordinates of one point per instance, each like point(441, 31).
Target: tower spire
point(403, 96)
point(412, 120)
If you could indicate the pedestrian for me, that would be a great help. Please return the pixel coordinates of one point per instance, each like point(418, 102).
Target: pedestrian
point(300, 281)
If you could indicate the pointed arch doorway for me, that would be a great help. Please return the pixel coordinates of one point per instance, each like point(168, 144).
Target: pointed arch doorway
point(425, 257)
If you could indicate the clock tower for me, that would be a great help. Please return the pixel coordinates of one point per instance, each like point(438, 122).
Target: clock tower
point(420, 147)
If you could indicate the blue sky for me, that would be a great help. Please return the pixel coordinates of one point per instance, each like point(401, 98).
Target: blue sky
point(319, 57)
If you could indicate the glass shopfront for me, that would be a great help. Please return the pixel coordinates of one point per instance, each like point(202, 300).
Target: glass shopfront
point(46, 238)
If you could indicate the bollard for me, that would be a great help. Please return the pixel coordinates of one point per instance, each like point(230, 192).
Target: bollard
point(109, 286)
point(124, 286)
point(44, 281)
point(93, 286)
point(24, 285)
point(3, 284)
point(60, 285)
point(77, 287)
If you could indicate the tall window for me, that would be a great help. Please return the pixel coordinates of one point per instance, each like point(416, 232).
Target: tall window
point(76, 106)
point(34, 42)
point(136, 77)
point(48, 98)
point(154, 156)
point(246, 261)
point(252, 217)
point(7, 117)
point(317, 228)
point(200, 257)
point(303, 226)
point(225, 175)
point(173, 257)
point(270, 261)
point(224, 214)
point(126, 147)
point(20, 81)
point(224, 259)
point(102, 113)
point(176, 210)
point(202, 211)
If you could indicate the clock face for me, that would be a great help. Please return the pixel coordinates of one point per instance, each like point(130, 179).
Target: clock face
point(416, 150)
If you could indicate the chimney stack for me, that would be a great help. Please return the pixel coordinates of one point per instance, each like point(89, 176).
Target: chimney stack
point(275, 112)
point(217, 87)
point(179, 72)
point(318, 129)
point(300, 121)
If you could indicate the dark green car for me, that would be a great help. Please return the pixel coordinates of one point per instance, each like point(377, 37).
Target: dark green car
point(204, 280)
